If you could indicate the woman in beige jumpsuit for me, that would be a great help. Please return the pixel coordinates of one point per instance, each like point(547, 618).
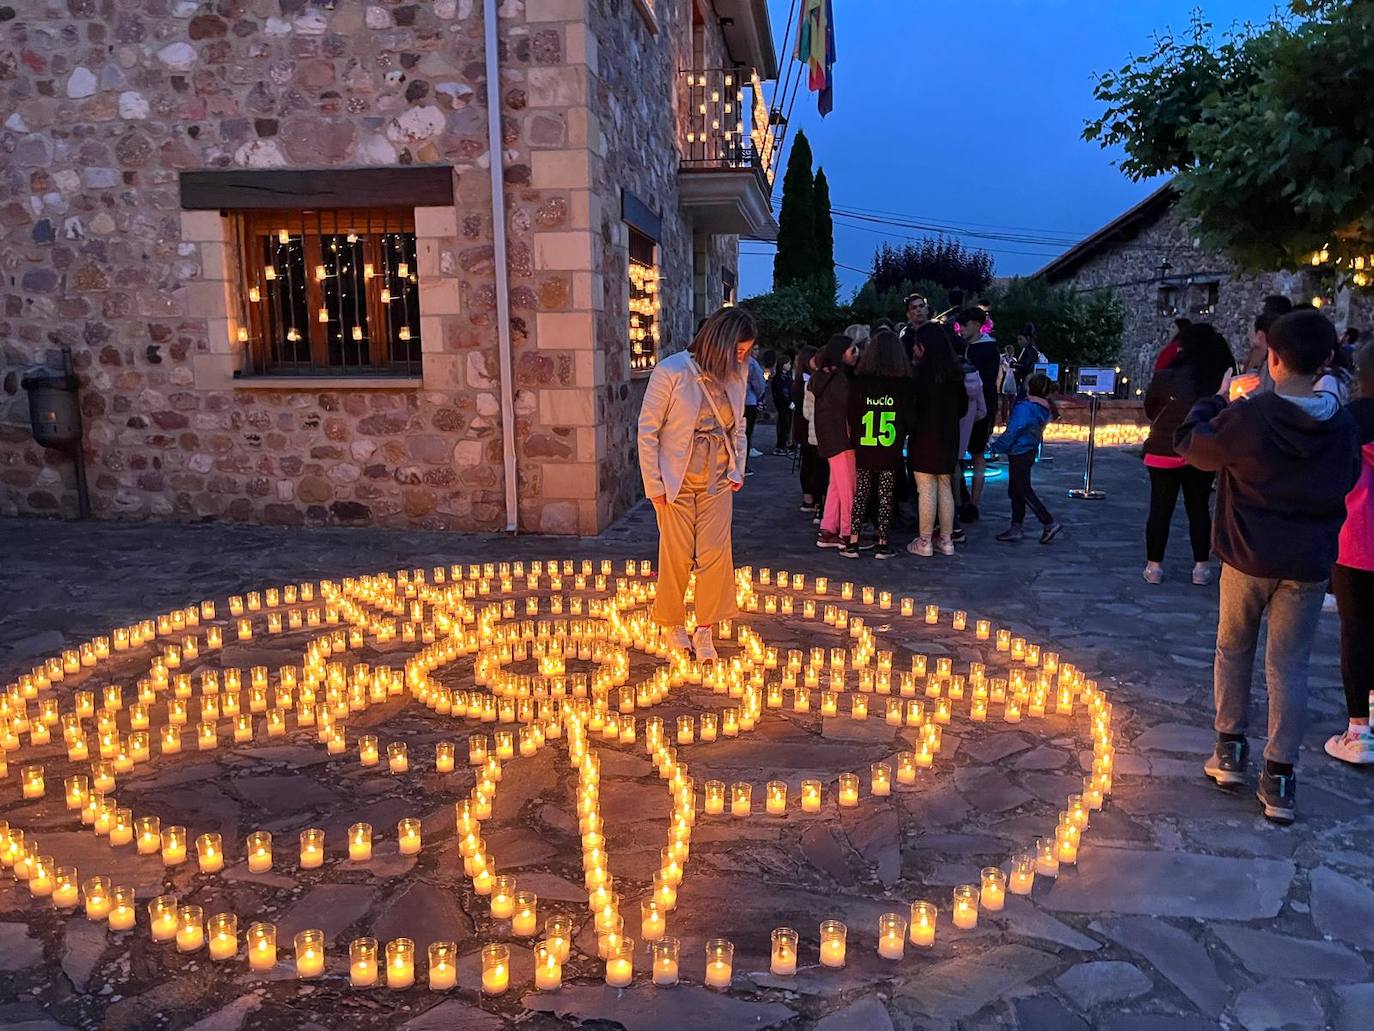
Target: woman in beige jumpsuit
point(691, 455)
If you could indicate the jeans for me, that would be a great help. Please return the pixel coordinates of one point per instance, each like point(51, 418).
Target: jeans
point(1293, 607)
point(1164, 488)
point(1354, 590)
point(935, 498)
point(839, 496)
point(1021, 492)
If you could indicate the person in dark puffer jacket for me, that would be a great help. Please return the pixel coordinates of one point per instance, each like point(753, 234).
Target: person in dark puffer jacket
point(1287, 458)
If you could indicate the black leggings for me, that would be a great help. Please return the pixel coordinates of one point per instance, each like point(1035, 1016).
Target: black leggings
point(1354, 590)
point(1021, 492)
point(751, 416)
point(784, 428)
point(815, 473)
point(864, 481)
point(1164, 487)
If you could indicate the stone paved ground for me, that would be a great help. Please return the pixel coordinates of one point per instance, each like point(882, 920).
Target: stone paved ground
point(1186, 909)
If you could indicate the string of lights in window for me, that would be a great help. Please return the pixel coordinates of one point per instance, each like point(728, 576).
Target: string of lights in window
point(644, 302)
point(331, 292)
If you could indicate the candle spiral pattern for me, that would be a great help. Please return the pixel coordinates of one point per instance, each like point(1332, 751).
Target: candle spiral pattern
point(560, 654)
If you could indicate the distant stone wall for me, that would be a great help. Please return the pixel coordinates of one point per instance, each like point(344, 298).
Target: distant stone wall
point(1131, 269)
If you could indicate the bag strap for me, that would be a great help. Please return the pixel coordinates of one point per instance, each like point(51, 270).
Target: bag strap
point(728, 425)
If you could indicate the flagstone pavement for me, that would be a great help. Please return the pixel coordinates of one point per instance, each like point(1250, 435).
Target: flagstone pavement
point(1186, 910)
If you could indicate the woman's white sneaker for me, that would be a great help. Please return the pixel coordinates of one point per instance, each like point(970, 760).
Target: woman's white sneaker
point(1352, 748)
point(703, 645)
point(679, 638)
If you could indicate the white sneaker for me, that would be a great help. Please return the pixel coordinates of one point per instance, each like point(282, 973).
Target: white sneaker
point(1329, 603)
point(944, 545)
point(703, 645)
point(755, 453)
point(1153, 574)
point(1352, 748)
point(921, 546)
point(679, 639)
point(1202, 574)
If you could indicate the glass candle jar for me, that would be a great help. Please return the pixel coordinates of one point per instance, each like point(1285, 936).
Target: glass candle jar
point(360, 842)
point(262, 946)
point(162, 918)
point(210, 853)
point(495, 969)
point(362, 962)
point(666, 955)
point(259, 849)
point(66, 888)
point(367, 750)
point(397, 757)
point(443, 965)
point(715, 797)
point(502, 897)
point(173, 846)
point(620, 962)
point(312, 848)
point(881, 779)
point(741, 796)
point(811, 796)
point(833, 935)
point(222, 929)
point(190, 928)
point(784, 952)
point(408, 836)
point(891, 935)
point(720, 958)
point(1022, 878)
point(923, 917)
point(964, 914)
point(849, 790)
point(96, 891)
point(992, 894)
point(309, 954)
point(400, 963)
point(558, 936)
point(525, 915)
point(122, 911)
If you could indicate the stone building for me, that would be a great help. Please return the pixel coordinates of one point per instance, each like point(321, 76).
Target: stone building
point(265, 230)
point(1151, 258)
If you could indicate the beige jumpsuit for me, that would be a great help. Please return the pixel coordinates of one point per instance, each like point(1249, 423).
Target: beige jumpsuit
point(696, 524)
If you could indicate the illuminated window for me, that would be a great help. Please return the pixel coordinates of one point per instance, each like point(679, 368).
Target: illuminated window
point(644, 303)
point(330, 292)
point(1207, 296)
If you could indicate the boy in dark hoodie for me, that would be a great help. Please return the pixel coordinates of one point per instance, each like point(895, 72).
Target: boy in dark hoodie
point(1020, 442)
point(1286, 459)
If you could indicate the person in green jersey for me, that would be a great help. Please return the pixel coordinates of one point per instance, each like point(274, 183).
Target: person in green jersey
point(881, 402)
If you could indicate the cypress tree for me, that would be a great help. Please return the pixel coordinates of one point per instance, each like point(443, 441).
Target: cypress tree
point(795, 261)
point(825, 237)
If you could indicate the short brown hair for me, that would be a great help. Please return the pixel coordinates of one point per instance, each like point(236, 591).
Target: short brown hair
point(884, 356)
point(716, 340)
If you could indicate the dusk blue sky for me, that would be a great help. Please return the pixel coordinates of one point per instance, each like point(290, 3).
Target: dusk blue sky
point(912, 73)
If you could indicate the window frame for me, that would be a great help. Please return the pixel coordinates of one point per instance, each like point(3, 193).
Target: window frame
point(312, 226)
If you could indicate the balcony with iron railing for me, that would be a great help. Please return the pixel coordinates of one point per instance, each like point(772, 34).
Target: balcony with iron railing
point(728, 147)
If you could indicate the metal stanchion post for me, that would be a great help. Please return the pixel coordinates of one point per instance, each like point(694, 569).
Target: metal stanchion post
point(1086, 492)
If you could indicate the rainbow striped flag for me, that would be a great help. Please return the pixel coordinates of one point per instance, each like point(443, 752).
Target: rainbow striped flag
point(816, 50)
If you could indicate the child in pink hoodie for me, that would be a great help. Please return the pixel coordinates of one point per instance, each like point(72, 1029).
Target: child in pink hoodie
point(1352, 580)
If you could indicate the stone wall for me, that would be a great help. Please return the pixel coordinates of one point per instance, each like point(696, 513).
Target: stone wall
point(1131, 268)
point(107, 102)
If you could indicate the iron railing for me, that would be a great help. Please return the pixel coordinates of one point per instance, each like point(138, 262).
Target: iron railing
point(724, 122)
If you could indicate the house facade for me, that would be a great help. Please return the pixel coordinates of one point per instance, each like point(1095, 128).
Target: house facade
point(335, 262)
point(1151, 258)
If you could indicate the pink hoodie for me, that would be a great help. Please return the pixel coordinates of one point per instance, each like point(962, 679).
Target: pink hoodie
point(1357, 535)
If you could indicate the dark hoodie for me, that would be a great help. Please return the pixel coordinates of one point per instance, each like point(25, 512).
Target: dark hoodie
point(1284, 475)
point(831, 421)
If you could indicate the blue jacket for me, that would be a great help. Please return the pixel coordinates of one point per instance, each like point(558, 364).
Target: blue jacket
point(1026, 426)
point(757, 384)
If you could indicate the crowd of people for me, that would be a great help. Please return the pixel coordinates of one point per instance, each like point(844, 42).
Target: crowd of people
point(884, 415)
point(1287, 437)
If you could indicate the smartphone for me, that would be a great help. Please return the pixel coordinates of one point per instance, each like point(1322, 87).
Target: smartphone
point(1244, 385)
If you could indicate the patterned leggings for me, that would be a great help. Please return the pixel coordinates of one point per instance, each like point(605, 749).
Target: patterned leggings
point(863, 489)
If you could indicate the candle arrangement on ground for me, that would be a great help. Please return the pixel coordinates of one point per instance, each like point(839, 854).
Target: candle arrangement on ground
point(549, 646)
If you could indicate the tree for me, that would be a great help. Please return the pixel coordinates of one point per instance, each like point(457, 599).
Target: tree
point(824, 254)
point(1074, 328)
point(936, 260)
point(870, 304)
point(1267, 132)
point(795, 260)
point(793, 316)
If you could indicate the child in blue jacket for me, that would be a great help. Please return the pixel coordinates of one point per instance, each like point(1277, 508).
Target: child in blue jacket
point(1020, 443)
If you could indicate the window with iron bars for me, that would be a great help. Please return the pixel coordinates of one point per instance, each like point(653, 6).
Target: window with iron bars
point(330, 292)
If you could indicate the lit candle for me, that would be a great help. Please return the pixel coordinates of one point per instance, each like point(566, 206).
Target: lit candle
point(360, 842)
point(262, 946)
point(548, 967)
point(122, 913)
point(362, 962)
point(312, 848)
point(720, 958)
point(776, 802)
point(173, 846)
point(666, 952)
point(1046, 857)
point(400, 963)
point(443, 965)
point(77, 788)
point(97, 893)
point(210, 853)
point(396, 756)
point(993, 893)
point(833, 934)
point(784, 954)
point(891, 935)
point(502, 897)
point(882, 779)
point(811, 796)
point(223, 930)
point(259, 852)
point(741, 795)
point(31, 779)
point(443, 757)
point(66, 889)
point(652, 921)
point(408, 836)
point(715, 797)
point(524, 919)
point(1022, 873)
point(965, 913)
point(162, 918)
point(367, 750)
point(495, 969)
point(620, 963)
point(558, 936)
point(849, 790)
point(923, 916)
point(190, 928)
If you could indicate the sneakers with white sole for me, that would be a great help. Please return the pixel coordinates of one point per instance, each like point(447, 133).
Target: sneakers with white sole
point(921, 546)
point(680, 639)
point(1357, 749)
point(703, 645)
point(944, 545)
point(1202, 574)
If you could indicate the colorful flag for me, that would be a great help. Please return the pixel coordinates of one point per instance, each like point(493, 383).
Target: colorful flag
point(816, 50)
